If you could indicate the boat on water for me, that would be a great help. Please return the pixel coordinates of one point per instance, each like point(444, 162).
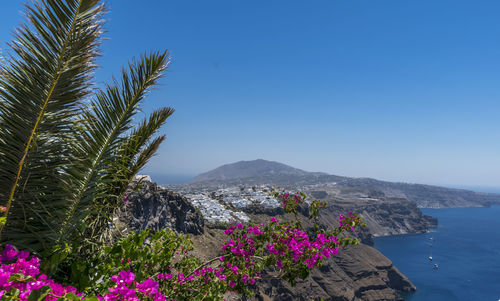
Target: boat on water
point(436, 266)
point(430, 245)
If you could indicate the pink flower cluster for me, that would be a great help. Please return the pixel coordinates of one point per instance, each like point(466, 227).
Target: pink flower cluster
point(243, 245)
point(284, 244)
point(348, 222)
point(205, 274)
point(19, 272)
point(288, 201)
point(295, 244)
point(239, 262)
point(128, 289)
point(125, 199)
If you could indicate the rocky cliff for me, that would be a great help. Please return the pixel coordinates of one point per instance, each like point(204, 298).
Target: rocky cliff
point(152, 207)
point(358, 273)
point(396, 217)
point(383, 216)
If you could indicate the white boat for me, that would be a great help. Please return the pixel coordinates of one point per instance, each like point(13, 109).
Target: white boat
point(430, 258)
point(436, 266)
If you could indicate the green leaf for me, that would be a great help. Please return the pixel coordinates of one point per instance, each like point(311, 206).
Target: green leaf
point(71, 297)
point(40, 294)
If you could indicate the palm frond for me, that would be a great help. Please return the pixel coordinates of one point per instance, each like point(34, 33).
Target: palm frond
point(147, 153)
point(107, 123)
point(126, 166)
point(42, 86)
point(132, 155)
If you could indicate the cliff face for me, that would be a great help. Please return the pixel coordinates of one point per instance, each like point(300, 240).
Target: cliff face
point(383, 215)
point(151, 207)
point(357, 273)
point(401, 217)
point(388, 216)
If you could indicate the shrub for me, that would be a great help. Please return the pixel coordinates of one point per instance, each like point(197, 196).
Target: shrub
point(159, 266)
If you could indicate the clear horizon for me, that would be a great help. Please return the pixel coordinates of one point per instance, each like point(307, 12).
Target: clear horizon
point(396, 91)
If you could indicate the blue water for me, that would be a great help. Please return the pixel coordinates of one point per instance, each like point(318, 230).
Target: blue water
point(466, 248)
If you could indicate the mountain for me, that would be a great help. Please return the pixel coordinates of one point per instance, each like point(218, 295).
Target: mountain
point(260, 171)
point(250, 169)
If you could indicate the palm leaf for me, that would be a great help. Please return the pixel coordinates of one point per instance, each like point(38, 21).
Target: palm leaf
point(127, 164)
point(132, 155)
point(107, 123)
point(43, 84)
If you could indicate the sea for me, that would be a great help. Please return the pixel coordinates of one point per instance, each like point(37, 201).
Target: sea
point(466, 248)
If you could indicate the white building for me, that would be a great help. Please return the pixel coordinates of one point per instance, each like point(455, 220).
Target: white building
point(143, 178)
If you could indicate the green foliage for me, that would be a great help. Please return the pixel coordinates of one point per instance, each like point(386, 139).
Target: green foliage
point(144, 253)
point(42, 85)
point(69, 150)
point(40, 294)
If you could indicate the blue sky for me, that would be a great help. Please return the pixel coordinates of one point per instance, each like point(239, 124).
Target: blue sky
point(394, 90)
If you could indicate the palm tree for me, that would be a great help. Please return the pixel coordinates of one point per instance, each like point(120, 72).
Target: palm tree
point(68, 150)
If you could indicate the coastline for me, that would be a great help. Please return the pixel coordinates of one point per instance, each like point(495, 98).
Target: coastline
point(465, 253)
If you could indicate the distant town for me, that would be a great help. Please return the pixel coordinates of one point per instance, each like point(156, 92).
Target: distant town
point(227, 204)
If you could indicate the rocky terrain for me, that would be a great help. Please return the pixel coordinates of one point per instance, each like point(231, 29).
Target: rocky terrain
point(383, 215)
point(155, 208)
point(358, 273)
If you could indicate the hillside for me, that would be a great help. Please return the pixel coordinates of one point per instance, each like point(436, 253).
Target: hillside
point(250, 169)
point(241, 192)
point(357, 273)
point(260, 172)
